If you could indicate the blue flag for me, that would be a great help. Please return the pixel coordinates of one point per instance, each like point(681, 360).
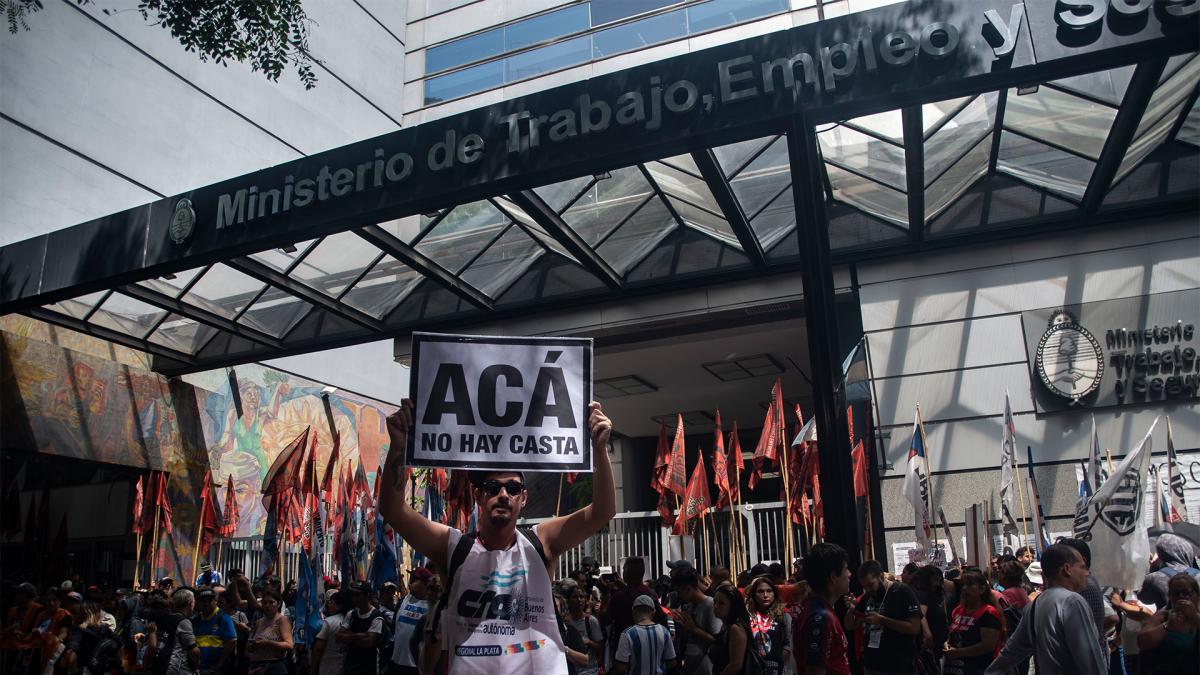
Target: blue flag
point(383, 565)
point(310, 586)
point(270, 544)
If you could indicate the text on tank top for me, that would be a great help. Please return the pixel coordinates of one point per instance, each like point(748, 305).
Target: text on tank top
point(500, 617)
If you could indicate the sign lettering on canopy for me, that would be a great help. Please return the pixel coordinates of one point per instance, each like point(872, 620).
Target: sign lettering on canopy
point(485, 402)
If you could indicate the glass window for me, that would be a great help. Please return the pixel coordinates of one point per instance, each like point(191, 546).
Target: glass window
point(1143, 145)
point(462, 234)
point(1060, 119)
point(336, 262)
point(388, 282)
point(776, 220)
point(1190, 132)
point(638, 34)
point(1170, 94)
point(1106, 85)
point(546, 27)
point(638, 236)
point(127, 315)
point(607, 203)
point(734, 156)
point(464, 82)
point(182, 334)
point(505, 260)
point(707, 222)
point(173, 284)
point(223, 290)
point(466, 50)
point(958, 178)
point(77, 307)
point(275, 313)
point(605, 11)
point(868, 196)
point(763, 178)
point(548, 58)
point(946, 145)
point(281, 259)
point(683, 184)
point(710, 15)
point(1043, 166)
point(864, 154)
point(558, 195)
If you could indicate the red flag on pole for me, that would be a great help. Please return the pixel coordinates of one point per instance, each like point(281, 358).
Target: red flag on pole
point(331, 466)
point(676, 476)
point(284, 474)
point(232, 515)
point(308, 480)
point(210, 522)
point(696, 500)
point(140, 526)
point(460, 500)
point(662, 460)
point(163, 501)
point(720, 466)
point(735, 464)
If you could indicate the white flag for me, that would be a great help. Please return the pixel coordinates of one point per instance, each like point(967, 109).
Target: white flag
point(1120, 546)
point(916, 489)
point(1008, 456)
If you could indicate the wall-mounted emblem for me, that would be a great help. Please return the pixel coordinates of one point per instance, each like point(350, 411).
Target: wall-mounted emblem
point(183, 221)
point(1069, 361)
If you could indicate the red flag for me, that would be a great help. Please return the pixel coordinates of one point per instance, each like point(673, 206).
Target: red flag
point(735, 464)
point(308, 481)
point(460, 500)
point(139, 506)
point(210, 522)
point(696, 500)
point(284, 474)
point(662, 460)
point(232, 515)
point(571, 476)
point(664, 510)
point(163, 501)
point(770, 442)
point(797, 481)
point(676, 476)
point(720, 467)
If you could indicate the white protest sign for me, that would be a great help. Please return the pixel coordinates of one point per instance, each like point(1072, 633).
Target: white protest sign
point(486, 402)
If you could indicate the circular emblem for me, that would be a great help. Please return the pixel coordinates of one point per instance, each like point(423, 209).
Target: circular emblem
point(1069, 361)
point(1121, 511)
point(183, 221)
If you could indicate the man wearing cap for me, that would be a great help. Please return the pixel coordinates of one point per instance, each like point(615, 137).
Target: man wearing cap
point(408, 614)
point(208, 576)
point(499, 614)
point(215, 634)
point(645, 648)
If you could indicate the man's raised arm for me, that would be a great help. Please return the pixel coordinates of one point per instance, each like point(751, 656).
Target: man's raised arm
point(426, 536)
point(563, 533)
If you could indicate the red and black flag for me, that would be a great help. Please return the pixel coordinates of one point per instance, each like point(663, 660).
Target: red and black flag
point(734, 464)
point(720, 465)
point(676, 476)
point(232, 515)
point(210, 520)
point(696, 499)
point(285, 472)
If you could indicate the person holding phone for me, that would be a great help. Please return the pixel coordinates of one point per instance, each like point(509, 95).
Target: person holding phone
point(1170, 640)
point(890, 616)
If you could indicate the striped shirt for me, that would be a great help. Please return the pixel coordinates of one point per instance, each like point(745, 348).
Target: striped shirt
point(646, 649)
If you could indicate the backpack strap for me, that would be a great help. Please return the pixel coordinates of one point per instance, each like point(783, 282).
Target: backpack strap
point(457, 558)
point(529, 534)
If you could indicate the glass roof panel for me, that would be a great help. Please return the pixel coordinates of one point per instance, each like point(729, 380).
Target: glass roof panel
point(709, 223)
point(127, 315)
point(1060, 119)
point(731, 157)
point(172, 286)
point(763, 178)
point(932, 114)
point(683, 185)
point(335, 263)
point(637, 236)
point(607, 203)
point(462, 234)
point(1170, 94)
point(971, 124)
point(1043, 166)
point(1106, 85)
point(275, 313)
point(182, 334)
point(281, 259)
point(558, 195)
point(775, 221)
point(388, 283)
point(869, 196)
point(77, 307)
point(223, 290)
point(503, 262)
point(1145, 144)
point(532, 227)
point(407, 228)
point(1173, 65)
point(888, 124)
point(947, 188)
point(862, 153)
point(1190, 132)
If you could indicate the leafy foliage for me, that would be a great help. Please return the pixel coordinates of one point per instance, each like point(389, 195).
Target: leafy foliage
point(267, 35)
point(581, 490)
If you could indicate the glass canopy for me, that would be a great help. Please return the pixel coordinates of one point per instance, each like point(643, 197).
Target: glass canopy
point(1060, 152)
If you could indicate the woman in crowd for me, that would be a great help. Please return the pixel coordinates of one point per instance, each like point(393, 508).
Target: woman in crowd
point(976, 627)
point(728, 650)
point(1170, 640)
point(271, 639)
point(770, 628)
point(329, 654)
point(929, 586)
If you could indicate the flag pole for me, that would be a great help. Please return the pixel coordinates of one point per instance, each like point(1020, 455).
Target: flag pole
point(154, 543)
point(1108, 454)
point(741, 533)
point(199, 530)
point(928, 474)
point(558, 504)
point(138, 556)
point(787, 502)
point(1020, 485)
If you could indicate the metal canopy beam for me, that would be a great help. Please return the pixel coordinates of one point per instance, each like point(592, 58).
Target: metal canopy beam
point(731, 208)
point(537, 209)
point(410, 256)
point(294, 288)
point(911, 119)
point(109, 334)
point(1137, 96)
point(203, 316)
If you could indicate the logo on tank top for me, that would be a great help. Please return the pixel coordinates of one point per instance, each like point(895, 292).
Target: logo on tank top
point(500, 595)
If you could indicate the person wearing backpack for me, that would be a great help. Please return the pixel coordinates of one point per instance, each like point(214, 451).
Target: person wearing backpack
point(170, 643)
point(361, 632)
point(498, 606)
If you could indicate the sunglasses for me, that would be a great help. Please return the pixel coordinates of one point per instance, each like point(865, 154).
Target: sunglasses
point(512, 487)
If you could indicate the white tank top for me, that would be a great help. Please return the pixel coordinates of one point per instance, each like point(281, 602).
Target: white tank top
point(500, 616)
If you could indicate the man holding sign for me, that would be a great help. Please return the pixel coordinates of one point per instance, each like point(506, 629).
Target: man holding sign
point(499, 611)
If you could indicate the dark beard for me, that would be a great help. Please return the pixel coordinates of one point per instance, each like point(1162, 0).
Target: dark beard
point(500, 519)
